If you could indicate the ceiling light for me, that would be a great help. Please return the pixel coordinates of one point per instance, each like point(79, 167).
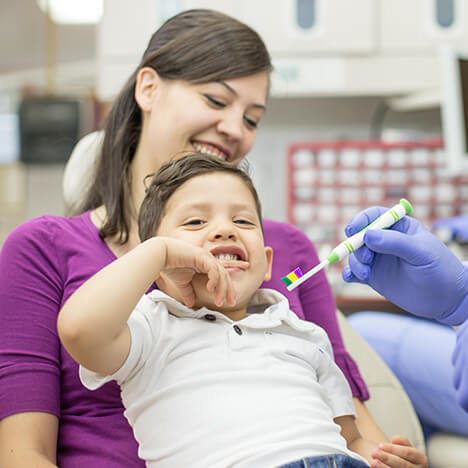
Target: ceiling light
point(73, 11)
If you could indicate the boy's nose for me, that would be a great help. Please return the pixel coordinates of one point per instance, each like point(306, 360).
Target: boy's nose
point(224, 232)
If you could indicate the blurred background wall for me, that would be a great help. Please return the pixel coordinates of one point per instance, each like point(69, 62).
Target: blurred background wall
point(344, 70)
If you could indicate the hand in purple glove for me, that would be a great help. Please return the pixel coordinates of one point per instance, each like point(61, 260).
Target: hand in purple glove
point(460, 364)
point(458, 225)
point(410, 267)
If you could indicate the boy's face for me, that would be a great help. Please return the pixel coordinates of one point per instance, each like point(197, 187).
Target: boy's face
point(217, 212)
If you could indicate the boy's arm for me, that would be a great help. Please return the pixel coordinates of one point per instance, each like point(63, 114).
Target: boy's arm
point(93, 322)
point(354, 440)
point(398, 454)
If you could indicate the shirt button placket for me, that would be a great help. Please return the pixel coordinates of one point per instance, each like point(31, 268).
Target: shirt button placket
point(236, 340)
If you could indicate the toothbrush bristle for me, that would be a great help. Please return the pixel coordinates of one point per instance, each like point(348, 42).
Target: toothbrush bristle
point(292, 277)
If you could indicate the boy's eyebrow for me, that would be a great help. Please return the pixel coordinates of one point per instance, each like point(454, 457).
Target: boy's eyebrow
point(234, 92)
point(208, 205)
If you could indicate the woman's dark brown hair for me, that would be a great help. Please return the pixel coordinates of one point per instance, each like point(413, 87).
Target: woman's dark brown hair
point(173, 175)
point(198, 46)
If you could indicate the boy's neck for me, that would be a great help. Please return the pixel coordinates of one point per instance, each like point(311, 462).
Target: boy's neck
point(235, 315)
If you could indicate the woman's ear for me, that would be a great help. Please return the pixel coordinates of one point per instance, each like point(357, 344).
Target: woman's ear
point(269, 258)
point(147, 83)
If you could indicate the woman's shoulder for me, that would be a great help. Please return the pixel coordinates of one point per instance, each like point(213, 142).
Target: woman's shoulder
point(49, 227)
point(277, 231)
point(52, 238)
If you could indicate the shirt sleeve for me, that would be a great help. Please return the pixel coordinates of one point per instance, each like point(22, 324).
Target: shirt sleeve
point(144, 339)
point(30, 297)
point(336, 389)
point(292, 248)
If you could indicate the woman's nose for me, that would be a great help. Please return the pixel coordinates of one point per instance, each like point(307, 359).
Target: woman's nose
point(231, 125)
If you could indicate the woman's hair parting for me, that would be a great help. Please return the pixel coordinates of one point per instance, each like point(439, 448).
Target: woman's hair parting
point(173, 175)
point(198, 46)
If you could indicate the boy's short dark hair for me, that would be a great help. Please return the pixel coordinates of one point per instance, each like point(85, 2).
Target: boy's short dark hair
point(174, 174)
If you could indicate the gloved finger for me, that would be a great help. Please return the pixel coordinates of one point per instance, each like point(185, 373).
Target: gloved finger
point(443, 222)
point(363, 219)
point(404, 246)
point(364, 255)
point(348, 276)
point(360, 270)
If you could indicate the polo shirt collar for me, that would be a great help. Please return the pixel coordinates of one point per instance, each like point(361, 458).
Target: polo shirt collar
point(274, 312)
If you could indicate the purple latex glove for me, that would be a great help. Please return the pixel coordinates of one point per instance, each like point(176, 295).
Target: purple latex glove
point(410, 267)
point(460, 364)
point(458, 225)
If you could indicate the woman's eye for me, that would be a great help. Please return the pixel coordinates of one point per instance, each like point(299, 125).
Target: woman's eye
point(251, 123)
point(214, 101)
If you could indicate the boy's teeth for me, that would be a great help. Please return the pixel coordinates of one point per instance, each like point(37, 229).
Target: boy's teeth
point(226, 257)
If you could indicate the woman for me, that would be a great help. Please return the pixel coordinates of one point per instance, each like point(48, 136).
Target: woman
point(208, 98)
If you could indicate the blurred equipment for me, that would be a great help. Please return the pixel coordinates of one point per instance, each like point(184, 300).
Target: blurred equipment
point(454, 74)
point(49, 129)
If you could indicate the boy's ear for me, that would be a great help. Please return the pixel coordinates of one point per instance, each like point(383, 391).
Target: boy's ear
point(269, 259)
point(147, 82)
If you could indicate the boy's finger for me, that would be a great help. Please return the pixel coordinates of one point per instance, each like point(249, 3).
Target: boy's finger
point(220, 287)
point(188, 294)
point(213, 273)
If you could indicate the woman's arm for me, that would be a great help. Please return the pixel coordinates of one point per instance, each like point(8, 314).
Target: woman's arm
point(354, 440)
point(366, 424)
point(28, 439)
point(30, 291)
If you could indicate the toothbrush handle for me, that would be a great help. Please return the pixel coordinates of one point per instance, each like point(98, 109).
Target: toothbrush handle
point(385, 220)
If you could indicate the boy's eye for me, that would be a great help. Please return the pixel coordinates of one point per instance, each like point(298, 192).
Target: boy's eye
point(194, 222)
point(214, 101)
point(244, 221)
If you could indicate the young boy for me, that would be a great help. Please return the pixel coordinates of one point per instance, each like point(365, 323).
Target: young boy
point(214, 371)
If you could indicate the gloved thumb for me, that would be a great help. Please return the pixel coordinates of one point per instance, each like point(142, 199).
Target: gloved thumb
point(402, 245)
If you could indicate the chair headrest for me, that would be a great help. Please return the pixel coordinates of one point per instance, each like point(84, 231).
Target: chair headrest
point(80, 167)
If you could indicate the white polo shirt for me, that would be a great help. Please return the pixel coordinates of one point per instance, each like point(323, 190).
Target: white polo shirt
point(203, 391)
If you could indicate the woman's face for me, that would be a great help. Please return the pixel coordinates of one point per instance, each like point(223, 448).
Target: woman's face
point(218, 118)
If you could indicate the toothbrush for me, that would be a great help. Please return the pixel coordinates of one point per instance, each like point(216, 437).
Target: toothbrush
point(342, 250)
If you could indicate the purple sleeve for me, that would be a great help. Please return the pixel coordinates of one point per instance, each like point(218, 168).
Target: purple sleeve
point(313, 300)
point(30, 296)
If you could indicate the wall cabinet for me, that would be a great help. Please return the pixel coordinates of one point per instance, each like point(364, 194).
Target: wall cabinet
point(319, 47)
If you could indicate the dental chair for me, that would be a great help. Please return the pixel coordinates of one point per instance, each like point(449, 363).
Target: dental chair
point(389, 404)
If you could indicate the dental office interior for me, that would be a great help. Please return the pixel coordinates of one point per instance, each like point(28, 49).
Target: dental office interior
point(368, 105)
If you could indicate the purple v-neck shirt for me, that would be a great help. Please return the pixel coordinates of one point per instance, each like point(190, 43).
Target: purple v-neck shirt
point(42, 263)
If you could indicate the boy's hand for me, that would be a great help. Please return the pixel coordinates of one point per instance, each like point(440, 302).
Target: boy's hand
point(398, 454)
point(184, 260)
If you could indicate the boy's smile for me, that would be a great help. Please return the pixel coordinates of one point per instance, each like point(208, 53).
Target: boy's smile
point(217, 212)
